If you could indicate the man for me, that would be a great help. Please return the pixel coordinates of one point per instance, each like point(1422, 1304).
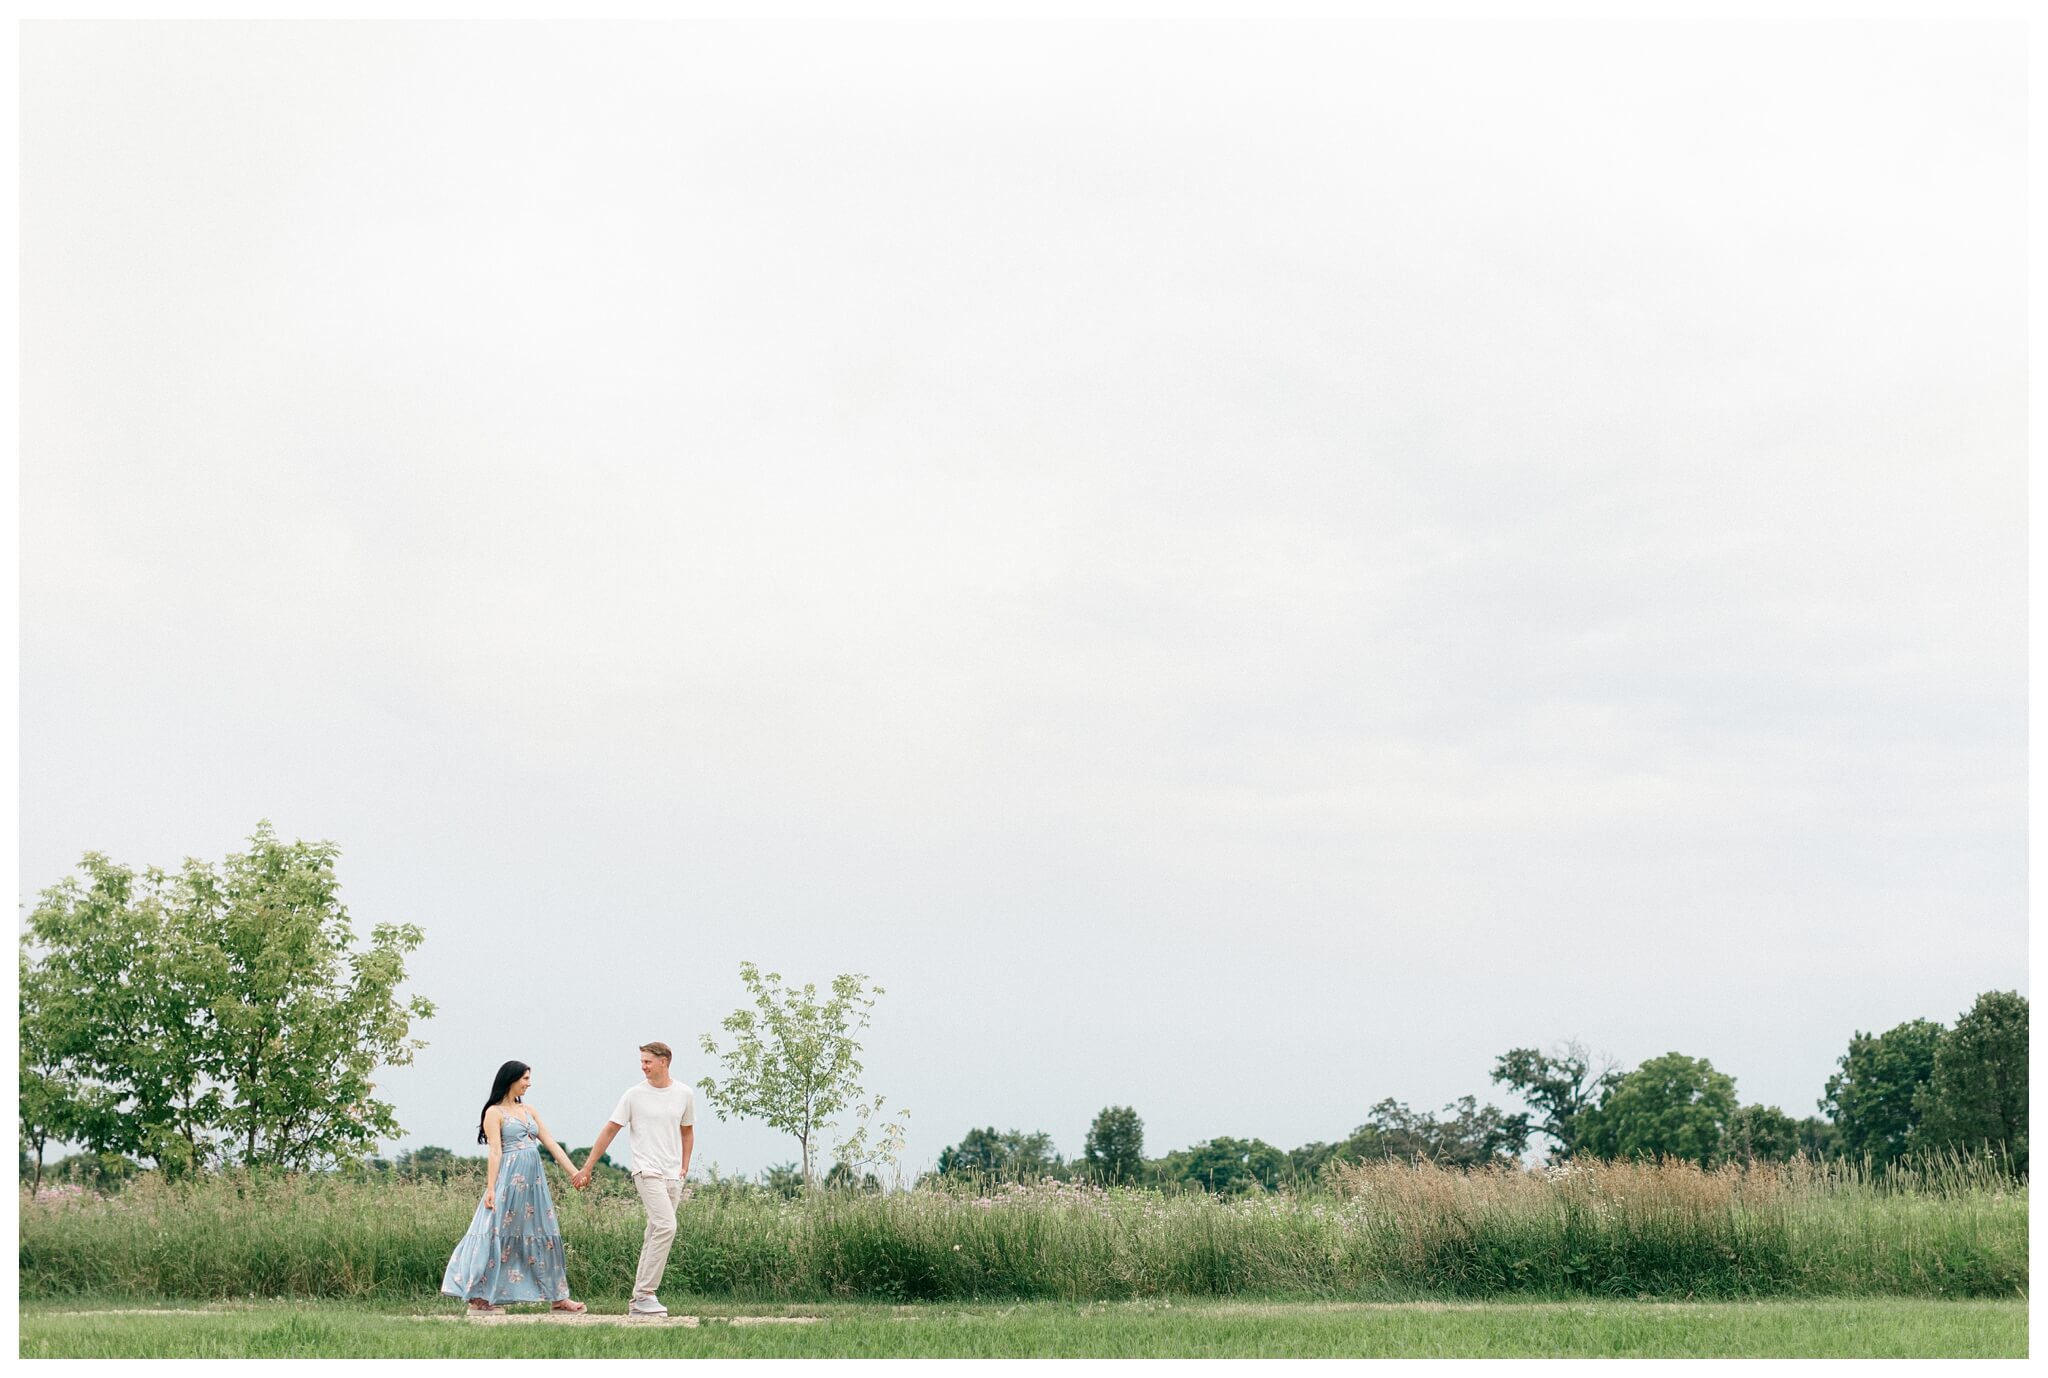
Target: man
point(660, 1115)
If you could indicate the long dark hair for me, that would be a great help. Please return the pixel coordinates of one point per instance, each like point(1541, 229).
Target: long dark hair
point(500, 1084)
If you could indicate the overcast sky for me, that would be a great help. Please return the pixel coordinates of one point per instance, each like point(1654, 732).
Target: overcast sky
point(1237, 570)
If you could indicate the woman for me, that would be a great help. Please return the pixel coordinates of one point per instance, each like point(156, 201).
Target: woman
point(513, 1251)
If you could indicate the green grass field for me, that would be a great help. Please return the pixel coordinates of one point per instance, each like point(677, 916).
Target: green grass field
point(1858, 1328)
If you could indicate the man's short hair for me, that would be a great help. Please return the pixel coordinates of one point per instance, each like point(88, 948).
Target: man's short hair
point(660, 1050)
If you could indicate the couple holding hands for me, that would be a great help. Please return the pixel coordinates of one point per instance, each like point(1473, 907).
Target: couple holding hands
point(513, 1250)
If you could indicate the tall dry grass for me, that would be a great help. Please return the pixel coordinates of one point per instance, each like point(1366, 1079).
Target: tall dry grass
point(1950, 1226)
point(1613, 1229)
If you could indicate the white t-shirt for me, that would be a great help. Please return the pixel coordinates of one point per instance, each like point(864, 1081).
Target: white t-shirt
point(655, 1119)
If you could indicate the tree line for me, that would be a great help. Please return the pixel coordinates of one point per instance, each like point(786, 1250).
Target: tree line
point(1915, 1090)
point(224, 1015)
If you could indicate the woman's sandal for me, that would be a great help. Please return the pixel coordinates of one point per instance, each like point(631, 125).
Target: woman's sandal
point(485, 1309)
point(571, 1306)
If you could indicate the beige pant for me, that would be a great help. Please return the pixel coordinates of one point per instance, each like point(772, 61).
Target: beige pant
point(661, 1196)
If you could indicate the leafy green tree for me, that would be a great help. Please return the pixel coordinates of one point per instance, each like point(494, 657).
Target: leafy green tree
point(844, 1177)
point(1013, 1156)
point(1306, 1163)
point(216, 1003)
point(432, 1163)
point(1976, 1097)
point(1475, 1135)
point(1562, 1086)
point(45, 1108)
point(1766, 1134)
point(1870, 1097)
point(795, 1060)
point(1224, 1166)
point(101, 1172)
point(1115, 1148)
point(1471, 1136)
point(1672, 1106)
point(1761, 1134)
point(1819, 1138)
point(979, 1154)
point(871, 1142)
point(120, 1019)
point(1031, 1157)
point(1468, 1135)
point(782, 1178)
point(302, 1018)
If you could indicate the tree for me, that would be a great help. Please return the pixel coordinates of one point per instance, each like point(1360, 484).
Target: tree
point(1015, 1156)
point(432, 1163)
point(1870, 1097)
point(302, 1019)
point(1819, 1138)
point(1672, 1106)
point(1476, 1135)
point(1031, 1157)
point(45, 1108)
point(979, 1154)
point(183, 1009)
point(121, 1018)
point(1761, 1134)
point(1562, 1086)
point(871, 1143)
point(1766, 1134)
point(1975, 1099)
point(1306, 1163)
point(101, 1172)
point(1224, 1166)
point(795, 1060)
point(1115, 1147)
point(844, 1177)
point(1471, 1135)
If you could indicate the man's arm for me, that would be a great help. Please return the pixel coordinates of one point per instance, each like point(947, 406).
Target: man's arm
point(604, 1139)
point(689, 1142)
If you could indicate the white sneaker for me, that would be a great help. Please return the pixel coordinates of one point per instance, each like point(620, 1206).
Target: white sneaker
point(646, 1306)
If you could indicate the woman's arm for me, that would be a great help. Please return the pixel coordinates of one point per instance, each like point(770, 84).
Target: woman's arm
point(492, 1117)
point(547, 1141)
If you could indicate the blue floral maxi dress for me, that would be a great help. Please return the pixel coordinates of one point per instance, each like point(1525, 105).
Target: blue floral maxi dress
point(513, 1253)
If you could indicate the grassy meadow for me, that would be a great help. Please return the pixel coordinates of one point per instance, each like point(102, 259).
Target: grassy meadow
point(1384, 1231)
